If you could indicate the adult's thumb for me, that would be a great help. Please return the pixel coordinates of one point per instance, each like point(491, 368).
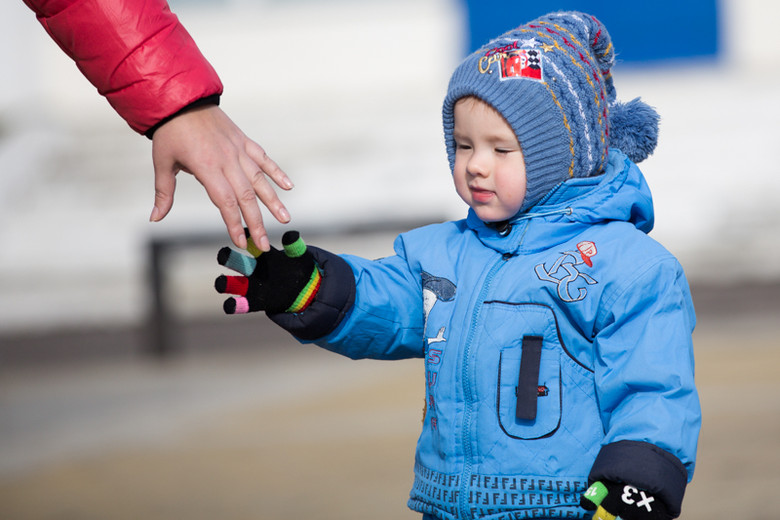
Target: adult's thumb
point(164, 187)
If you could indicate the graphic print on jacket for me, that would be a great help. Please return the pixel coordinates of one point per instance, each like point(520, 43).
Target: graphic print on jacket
point(565, 273)
point(434, 289)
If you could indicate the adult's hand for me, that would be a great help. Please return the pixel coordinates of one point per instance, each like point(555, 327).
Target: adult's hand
point(232, 168)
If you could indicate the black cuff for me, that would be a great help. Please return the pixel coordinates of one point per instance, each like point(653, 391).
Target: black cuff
point(332, 302)
point(644, 466)
point(202, 102)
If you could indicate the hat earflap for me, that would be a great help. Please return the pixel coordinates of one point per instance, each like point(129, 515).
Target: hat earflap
point(633, 129)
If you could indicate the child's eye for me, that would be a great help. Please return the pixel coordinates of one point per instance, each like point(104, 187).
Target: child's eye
point(503, 150)
point(462, 146)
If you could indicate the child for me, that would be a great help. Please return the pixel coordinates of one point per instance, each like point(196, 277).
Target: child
point(556, 334)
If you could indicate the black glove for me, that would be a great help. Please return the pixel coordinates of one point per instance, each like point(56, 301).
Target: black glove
point(272, 281)
point(612, 501)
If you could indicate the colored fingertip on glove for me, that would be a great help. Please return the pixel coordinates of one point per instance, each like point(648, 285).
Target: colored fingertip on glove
point(251, 247)
point(295, 247)
point(293, 244)
point(232, 284)
point(234, 305)
point(236, 261)
point(591, 501)
point(238, 285)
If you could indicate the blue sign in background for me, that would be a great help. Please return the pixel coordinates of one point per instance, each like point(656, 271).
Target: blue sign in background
point(641, 31)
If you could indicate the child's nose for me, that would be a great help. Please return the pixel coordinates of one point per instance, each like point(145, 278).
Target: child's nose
point(478, 166)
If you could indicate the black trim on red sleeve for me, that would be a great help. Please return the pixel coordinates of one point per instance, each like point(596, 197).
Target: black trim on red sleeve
point(202, 102)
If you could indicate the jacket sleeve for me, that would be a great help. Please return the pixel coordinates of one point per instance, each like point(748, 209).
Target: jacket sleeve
point(135, 52)
point(364, 308)
point(644, 373)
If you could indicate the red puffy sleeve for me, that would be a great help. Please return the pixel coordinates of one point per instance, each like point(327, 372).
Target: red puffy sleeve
point(135, 52)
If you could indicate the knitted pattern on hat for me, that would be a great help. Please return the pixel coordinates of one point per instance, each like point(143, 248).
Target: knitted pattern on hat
point(550, 80)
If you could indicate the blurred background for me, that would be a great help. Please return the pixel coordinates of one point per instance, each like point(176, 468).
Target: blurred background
point(124, 393)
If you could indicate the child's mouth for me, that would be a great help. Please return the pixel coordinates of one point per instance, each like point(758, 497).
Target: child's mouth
point(480, 195)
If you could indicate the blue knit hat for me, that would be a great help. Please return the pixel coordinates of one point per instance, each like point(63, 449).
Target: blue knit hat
point(550, 79)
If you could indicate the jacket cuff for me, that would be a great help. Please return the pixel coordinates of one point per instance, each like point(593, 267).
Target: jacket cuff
point(334, 299)
point(645, 466)
point(208, 100)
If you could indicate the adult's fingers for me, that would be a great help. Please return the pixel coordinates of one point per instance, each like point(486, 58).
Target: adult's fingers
point(257, 168)
point(222, 194)
point(246, 197)
point(268, 168)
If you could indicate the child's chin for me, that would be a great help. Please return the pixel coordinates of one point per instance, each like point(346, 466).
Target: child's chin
point(490, 217)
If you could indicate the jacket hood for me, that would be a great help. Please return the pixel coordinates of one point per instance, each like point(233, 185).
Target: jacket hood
point(619, 194)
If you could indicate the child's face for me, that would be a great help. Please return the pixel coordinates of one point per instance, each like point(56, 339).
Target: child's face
point(489, 170)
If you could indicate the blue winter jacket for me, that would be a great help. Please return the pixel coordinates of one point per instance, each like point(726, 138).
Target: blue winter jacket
point(558, 350)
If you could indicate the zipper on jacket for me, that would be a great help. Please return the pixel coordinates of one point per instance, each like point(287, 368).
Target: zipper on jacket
point(468, 396)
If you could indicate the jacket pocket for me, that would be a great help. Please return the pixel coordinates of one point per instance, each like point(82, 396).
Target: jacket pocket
point(529, 375)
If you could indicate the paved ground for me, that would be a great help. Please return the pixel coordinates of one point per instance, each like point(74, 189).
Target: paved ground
point(285, 432)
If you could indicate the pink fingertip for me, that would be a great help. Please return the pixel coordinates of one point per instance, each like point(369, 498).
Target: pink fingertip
point(242, 305)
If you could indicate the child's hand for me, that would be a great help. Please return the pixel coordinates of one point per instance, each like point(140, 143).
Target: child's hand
point(612, 501)
point(273, 281)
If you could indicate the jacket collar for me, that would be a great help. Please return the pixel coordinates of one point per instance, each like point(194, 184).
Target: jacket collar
point(619, 194)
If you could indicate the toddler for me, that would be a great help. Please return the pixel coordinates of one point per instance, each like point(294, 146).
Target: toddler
point(556, 334)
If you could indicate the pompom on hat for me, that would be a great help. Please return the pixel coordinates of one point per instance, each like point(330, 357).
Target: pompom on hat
point(550, 79)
